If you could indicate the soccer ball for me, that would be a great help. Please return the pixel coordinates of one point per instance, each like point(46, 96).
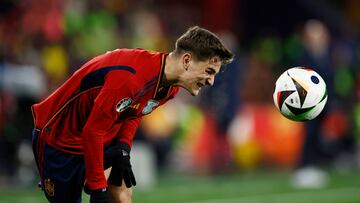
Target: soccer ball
point(300, 94)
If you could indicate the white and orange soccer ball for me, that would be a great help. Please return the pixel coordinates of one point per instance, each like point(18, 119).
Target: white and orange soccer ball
point(300, 94)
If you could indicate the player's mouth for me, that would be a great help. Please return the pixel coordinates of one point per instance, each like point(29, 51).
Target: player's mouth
point(200, 85)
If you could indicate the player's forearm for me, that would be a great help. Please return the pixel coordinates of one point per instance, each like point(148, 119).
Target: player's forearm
point(127, 131)
point(96, 127)
point(93, 156)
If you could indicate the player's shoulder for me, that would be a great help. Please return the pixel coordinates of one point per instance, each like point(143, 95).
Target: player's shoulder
point(135, 51)
point(146, 64)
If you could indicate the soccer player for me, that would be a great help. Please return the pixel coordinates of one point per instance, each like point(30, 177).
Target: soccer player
point(87, 125)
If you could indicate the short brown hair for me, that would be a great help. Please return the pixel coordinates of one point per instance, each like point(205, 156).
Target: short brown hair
point(203, 44)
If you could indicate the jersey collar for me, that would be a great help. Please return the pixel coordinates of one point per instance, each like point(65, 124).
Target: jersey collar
point(161, 73)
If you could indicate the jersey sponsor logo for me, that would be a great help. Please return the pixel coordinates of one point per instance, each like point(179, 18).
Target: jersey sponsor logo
point(150, 106)
point(123, 104)
point(135, 106)
point(49, 187)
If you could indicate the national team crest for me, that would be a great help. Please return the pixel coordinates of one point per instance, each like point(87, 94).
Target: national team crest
point(123, 104)
point(49, 187)
point(151, 104)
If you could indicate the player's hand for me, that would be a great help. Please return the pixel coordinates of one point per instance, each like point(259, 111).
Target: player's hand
point(99, 196)
point(121, 166)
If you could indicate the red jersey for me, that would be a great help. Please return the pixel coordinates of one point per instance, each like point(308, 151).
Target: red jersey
point(103, 101)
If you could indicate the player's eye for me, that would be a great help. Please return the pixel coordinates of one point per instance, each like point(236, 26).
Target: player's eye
point(210, 71)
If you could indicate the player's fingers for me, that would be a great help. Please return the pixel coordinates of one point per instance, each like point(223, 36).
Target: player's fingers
point(116, 177)
point(132, 178)
point(127, 180)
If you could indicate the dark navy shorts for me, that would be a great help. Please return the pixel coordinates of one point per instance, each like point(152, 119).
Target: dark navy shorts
point(62, 174)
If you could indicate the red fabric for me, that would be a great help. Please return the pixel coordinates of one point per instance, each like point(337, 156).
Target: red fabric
point(84, 114)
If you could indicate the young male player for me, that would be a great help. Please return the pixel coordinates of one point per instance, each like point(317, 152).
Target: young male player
point(87, 125)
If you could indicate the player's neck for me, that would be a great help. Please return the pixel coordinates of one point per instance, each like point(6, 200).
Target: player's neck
point(171, 75)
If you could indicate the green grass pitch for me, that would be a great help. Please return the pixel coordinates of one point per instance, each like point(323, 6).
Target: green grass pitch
point(256, 187)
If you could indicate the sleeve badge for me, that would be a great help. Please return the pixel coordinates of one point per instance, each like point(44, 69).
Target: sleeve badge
point(150, 106)
point(123, 104)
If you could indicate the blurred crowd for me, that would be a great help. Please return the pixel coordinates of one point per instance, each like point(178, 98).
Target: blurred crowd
point(231, 127)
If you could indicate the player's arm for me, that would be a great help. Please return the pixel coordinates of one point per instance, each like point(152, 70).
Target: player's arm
point(102, 118)
point(93, 132)
point(127, 131)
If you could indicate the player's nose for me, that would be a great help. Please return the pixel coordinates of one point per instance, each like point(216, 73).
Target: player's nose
point(210, 81)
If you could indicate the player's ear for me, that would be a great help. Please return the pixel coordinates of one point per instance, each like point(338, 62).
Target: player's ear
point(186, 58)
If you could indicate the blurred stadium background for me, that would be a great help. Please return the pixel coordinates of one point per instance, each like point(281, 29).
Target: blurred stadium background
point(228, 145)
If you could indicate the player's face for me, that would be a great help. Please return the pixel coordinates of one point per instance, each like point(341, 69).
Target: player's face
point(200, 74)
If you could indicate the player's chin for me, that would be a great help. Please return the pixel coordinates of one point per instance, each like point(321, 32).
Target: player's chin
point(195, 92)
